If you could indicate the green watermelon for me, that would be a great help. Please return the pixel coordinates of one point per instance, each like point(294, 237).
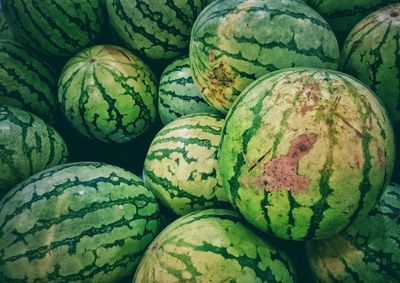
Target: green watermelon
point(26, 82)
point(212, 245)
point(235, 42)
point(107, 93)
point(27, 145)
point(181, 166)
point(5, 30)
point(177, 95)
point(368, 251)
point(372, 54)
point(55, 27)
point(155, 29)
point(304, 152)
point(78, 222)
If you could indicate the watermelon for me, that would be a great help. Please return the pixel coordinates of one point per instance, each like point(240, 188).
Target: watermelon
point(177, 95)
point(304, 152)
point(212, 245)
point(372, 54)
point(77, 222)
point(155, 29)
point(181, 166)
point(5, 30)
point(27, 145)
point(107, 93)
point(234, 42)
point(26, 82)
point(55, 27)
point(368, 251)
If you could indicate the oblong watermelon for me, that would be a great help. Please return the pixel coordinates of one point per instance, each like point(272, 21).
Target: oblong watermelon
point(368, 251)
point(77, 222)
point(27, 145)
point(212, 245)
point(55, 27)
point(234, 42)
point(107, 93)
point(304, 152)
point(181, 166)
point(177, 95)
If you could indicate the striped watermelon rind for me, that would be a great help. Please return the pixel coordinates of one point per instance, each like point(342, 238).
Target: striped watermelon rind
point(212, 245)
point(304, 152)
point(5, 30)
point(27, 145)
point(78, 222)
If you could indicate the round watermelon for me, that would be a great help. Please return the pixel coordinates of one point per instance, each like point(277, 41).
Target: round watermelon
point(212, 245)
point(27, 146)
point(107, 93)
point(55, 27)
point(368, 251)
point(77, 222)
point(181, 166)
point(235, 42)
point(177, 95)
point(304, 152)
point(372, 54)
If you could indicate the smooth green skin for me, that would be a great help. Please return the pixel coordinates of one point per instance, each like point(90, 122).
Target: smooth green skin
point(264, 157)
point(107, 93)
point(372, 54)
point(5, 30)
point(368, 251)
point(234, 42)
point(55, 27)
point(181, 166)
point(27, 145)
point(26, 81)
point(177, 95)
point(156, 29)
point(212, 245)
point(78, 222)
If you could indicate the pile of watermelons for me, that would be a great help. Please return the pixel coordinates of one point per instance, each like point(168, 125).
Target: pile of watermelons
point(199, 141)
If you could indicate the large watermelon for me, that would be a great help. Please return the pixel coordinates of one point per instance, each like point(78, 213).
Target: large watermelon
point(235, 42)
point(156, 29)
point(305, 151)
point(181, 165)
point(78, 222)
point(26, 82)
point(107, 93)
point(212, 245)
point(368, 251)
point(27, 145)
point(55, 27)
point(177, 95)
point(5, 30)
point(372, 54)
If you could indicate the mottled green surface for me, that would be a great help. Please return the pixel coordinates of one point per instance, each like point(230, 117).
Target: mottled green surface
point(107, 93)
point(305, 152)
point(368, 251)
point(26, 82)
point(177, 95)
point(5, 30)
point(212, 245)
point(156, 29)
point(55, 27)
point(235, 42)
point(181, 166)
point(27, 145)
point(372, 54)
point(78, 222)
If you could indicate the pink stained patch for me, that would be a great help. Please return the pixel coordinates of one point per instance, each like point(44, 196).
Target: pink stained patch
point(382, 158)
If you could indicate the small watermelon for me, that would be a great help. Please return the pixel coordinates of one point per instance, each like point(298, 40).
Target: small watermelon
point(234, 42)
point(177, 95)
point(107, 93)
point(181, 166)
point(304, 152)
point(212, 245)
point(27, 145)
point(368, 251)
point(77, 222)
